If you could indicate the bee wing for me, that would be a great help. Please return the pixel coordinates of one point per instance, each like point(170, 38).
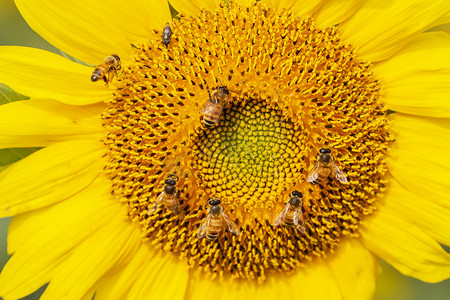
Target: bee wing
point(338, 173)
point(314, 174)
point(280, 217)
point(232, 227)
point(177, 209)
point(157, 204)
point(298, 216)
point(204, 227)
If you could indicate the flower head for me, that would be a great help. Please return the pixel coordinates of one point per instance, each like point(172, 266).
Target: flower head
point(261, 126)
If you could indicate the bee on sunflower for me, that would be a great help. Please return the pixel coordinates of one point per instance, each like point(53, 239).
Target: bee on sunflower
point(243, 106)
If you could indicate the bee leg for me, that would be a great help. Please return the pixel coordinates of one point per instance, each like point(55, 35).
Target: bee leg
point(180, 215)
point(176, 211)
point(106, 80)
point(301, 227)
point(111, 76)
point(117, 69)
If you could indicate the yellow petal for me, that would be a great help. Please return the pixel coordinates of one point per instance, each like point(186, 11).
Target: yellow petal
point(430, 216)
point(320, 280)
point(361, 270)
point(118, 284)
point(157, 272)
point(299, 8)
point(317, 282)
point(42, 240)
point(327, 280)
point(276, 286)
point(405, 246)
point(89, 295)
point(419, 161)
point(14, 285)
point(42, 74)
point(95, 256)
point(82, 29)
point(49, 176)
point(200, 287)
point(382, 27)
point(135, 18)
point(192, 7)
point(336, 11)
point(41, 122)
point(51, 221)
point(417, 79)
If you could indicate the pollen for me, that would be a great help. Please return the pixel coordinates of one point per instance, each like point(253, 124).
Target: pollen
point(294, 88)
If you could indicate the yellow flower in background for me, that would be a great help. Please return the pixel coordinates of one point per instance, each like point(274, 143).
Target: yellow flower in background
point(301, 75)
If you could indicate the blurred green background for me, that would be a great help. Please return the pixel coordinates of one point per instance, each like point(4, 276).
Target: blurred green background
point(391, 284)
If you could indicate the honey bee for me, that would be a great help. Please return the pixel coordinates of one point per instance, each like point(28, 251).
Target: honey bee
point(213, 108)
point(107, 69)
point(167, 32)
point(213, 225)
point(292, 213)
point(324, 167)
point(168, 197)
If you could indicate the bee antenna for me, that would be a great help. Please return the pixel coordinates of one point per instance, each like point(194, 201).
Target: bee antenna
point(220, 81)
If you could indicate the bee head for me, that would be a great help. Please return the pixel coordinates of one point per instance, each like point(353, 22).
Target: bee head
point(296, 197)
point(296, 194)
point(214, 201)
point(116, 57)
point(224, 89)
point(170, 181)
point(325, 155)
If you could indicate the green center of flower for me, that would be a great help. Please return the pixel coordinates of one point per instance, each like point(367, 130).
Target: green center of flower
point(294, 89)
point(250, 158)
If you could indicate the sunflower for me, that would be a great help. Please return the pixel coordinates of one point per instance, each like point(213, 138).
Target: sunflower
point(221, 120)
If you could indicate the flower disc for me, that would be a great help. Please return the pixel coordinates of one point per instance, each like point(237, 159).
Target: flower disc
point(294, 89)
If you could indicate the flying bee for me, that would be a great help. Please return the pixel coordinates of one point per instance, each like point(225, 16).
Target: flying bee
point(167, 32)
point(107, 69)
point(324, 167)
point(292, 213)
point(213, 108)
point(216, 219)
point(168, 197)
